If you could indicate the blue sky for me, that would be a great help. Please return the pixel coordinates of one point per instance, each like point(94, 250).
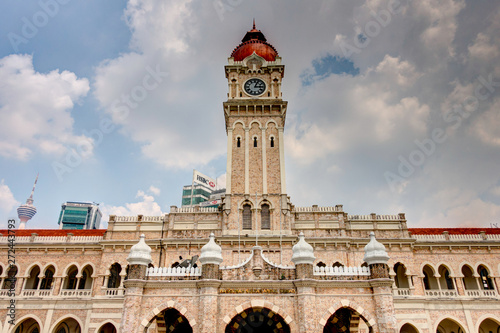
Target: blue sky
point(403, 120)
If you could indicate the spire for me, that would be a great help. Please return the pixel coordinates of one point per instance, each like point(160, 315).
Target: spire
point(30, 199)
point(254, 23)
point(27, 211)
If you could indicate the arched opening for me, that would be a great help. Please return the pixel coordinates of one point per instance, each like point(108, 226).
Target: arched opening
point(33, 279)
point(447, 325)
point(445, 281)
point(255, 142)
point(114, 275)
point(107, 328)
point(28, 325)
point(247, 217)
point(11, 276)
point(321, 264)
point(170, 321)
point(486, 282)
point(347, 320)
point(272, 142)
point(469, 279)
point(69, 325)
point(238, 142)
point(337, 264)
point(489, 326)
point(70, 280)
point(401, 279)
point(408, 328)
point(260, 320)
point(265, 217)
point(48, 278)
point(430, 281)
point(86, 278)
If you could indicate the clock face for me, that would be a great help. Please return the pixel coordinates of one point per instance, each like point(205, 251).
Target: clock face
point(255, 87)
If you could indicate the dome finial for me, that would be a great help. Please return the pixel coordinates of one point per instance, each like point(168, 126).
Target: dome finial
point(375, 252)
point(211, 253)
point(254, 23)
point(140, 253)
point(303, 252)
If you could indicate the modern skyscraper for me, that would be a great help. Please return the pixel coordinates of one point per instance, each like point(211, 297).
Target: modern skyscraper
point(27, 211)
point(80, 215)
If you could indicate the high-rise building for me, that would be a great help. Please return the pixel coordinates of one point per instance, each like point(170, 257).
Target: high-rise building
point(80, 215)
point(27, 211)
point(192, 195)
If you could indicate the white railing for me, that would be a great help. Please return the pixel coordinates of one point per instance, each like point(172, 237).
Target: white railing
point(441, 293)
point(195, 210)
point(455, 238)
point(370, 218)
point(480, 293)
point(158, 218)
point(114, 291)
point(318, 209)
point(175, 271)
point(36, 293)
point(55, 239)
point(402, 292)
point(4, 292)
point(341, 271)
point(76, 292)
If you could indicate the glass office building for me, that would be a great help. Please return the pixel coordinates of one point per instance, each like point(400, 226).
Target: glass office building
point(80, 215)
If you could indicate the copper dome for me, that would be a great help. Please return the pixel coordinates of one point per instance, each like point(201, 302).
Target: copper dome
point(254, 41)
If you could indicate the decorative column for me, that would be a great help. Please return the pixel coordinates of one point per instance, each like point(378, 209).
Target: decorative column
point(210, 258)
point(376, 257)
point(138, 260)
point(303, 258)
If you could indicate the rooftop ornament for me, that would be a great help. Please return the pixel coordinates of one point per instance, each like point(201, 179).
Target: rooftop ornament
point(140, 253)
point(375, 252)
point(303, 252)
point(211, 253)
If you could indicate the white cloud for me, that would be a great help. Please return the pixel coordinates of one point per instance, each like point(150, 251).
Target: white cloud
point(154, 190)
point(7, 200)
point(35, 108)
point(146, 206)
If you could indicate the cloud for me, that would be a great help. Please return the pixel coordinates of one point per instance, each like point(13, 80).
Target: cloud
point(146, 206)
point(154, 190)
point(7, 200)
point(35, 109)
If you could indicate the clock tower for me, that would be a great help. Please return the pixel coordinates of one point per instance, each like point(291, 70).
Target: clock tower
point(256, 200)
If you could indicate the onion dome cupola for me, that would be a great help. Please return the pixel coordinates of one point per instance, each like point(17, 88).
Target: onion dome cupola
point(303, 252)
point(254, 41)
point(140, 253)
point(375, 252)
point(211, 253)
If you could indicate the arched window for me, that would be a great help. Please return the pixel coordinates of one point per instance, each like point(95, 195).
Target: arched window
point(445, 280)
point(320, 264)
point(114, 276)
point(485, 279)
point(48, 279)
point(469, 279)
point(255, 141)
point(71, 279)
point(11, 274)
point(86, 279)
point(247, 217)
point(265, 217)
point(238, 142)
point(272, 142)
point(33, 279)
point(401, 278)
